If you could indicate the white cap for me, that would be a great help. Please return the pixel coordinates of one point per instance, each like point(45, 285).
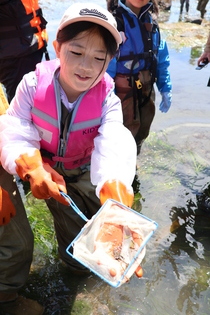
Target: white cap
point(92, 13)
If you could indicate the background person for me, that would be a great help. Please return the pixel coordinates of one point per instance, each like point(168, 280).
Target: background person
point(16, 244)
point(143, 60)
point(206, 52)
point(23, 40)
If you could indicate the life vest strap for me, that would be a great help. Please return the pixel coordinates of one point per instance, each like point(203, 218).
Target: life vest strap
point(144, 55)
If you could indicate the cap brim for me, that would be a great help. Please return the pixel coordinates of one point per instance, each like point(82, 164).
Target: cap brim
point(96, 20)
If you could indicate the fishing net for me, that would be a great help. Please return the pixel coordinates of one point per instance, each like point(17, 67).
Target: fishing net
point(112, 243)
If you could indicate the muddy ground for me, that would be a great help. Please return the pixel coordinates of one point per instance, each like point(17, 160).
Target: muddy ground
point(185, 34)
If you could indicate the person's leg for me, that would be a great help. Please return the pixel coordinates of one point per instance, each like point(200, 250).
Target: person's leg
point(13, 69)
point(16, 241)
point(147, 113)
point(181, 6)
point(16, 252)
point(130, 111)
point(68, 223)
point(199, 5)
point(202, 8)
point(187, 5)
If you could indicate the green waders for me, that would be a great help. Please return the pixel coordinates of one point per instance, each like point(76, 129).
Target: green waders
point(16, 241)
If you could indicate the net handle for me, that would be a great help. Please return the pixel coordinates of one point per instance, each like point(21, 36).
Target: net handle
point(74, 206)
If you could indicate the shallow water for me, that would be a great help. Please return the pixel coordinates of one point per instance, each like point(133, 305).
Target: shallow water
point(174, 168)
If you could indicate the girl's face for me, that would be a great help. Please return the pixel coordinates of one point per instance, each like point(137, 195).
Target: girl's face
point(83, 61)
point(136, 5)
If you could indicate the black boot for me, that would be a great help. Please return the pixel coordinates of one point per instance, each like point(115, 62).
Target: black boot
point(21, 306)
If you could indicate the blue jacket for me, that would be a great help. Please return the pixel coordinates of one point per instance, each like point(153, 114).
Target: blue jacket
point(135, 43)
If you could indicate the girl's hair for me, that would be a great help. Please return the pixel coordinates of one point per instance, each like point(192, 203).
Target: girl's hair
point(72, 30)
point(155, 9)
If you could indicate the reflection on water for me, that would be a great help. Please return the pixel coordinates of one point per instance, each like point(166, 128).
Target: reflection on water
point(177, 160)
point(191, 227)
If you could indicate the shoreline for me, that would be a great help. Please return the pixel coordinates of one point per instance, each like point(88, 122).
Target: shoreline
point(185, 34)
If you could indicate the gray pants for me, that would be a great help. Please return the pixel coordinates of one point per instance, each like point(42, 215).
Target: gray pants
point(67, 222)
point(16, 241)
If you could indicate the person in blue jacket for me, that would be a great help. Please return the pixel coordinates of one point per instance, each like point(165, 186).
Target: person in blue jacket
point(142, 60)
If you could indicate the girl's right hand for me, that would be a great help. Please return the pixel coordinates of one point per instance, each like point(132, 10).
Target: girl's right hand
point(45, 182)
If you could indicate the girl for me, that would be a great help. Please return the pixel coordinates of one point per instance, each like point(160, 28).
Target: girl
point(64, 130)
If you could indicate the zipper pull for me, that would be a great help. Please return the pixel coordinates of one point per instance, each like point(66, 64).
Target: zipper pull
point(62, 143)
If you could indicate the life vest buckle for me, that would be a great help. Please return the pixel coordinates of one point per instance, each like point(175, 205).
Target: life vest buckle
point(138, 84)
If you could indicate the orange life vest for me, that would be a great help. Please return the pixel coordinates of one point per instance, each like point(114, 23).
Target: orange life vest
point(22, 28)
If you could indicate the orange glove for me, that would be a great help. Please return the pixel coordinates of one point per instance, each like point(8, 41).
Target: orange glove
point(45, 182)
point(112, 235)
point(114, 189)
point(7, 209)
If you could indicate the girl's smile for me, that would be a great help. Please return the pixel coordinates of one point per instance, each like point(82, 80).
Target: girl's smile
point(82, 78)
